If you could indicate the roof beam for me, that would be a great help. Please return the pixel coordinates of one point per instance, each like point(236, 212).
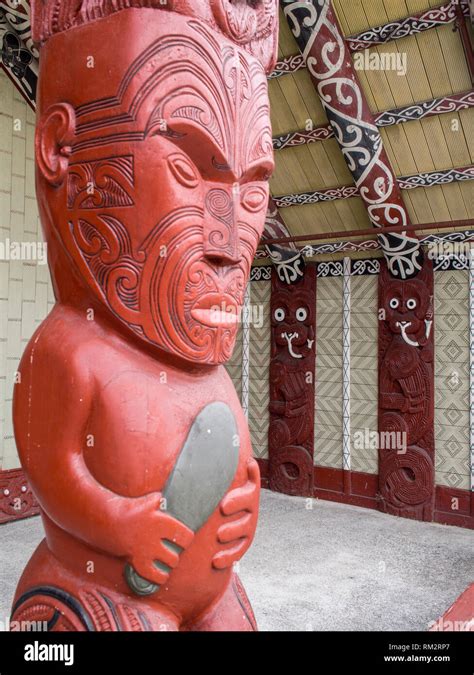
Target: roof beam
point(411, 25)
point(342, 235)
point(461, 26)
point(287, 65)
point(427, 179)
point(288, 261)
point(394, 30)
point(318, 35)
point(416, 111)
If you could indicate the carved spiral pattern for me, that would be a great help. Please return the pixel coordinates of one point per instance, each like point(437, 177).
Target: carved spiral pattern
point(407, 479)
point(291, 471)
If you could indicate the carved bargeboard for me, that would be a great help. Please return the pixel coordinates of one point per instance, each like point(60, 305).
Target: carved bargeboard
point(406, 394)
point(293, 351)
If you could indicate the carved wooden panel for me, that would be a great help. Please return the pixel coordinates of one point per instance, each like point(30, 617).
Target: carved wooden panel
point(16, 498)
point(406, 394)
point(293, 350)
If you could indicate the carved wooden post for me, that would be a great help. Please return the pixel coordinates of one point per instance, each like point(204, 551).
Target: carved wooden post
point(406, 394)
point(291, 430)
point(153, 152)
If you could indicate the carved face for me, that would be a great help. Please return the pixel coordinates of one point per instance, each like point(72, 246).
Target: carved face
point(406, 306)
point(292, 322)
point(166, 190)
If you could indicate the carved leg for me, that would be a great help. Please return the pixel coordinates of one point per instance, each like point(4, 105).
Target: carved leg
point(73, 603)
point(232, 612)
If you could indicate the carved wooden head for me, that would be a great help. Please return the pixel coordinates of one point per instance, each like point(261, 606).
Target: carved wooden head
point(407, 305)
point(154, 151)
point(292, 317)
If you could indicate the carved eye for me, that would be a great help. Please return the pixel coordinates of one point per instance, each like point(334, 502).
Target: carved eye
point(411, 303)
point(183, 170)
point(279, 314)
point(394, 302)
point(254, 198)
point(301, 314)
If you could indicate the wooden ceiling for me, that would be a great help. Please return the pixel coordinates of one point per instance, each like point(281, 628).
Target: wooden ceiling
point(436, 67)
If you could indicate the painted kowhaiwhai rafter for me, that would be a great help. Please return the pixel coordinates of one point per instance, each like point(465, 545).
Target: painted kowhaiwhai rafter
point(287, 65)
point(394, 30)
point(411, 25)
point(427, 179)
point(18, 57)
point(416, 111)
point(287, 259)
point(313, 250)
point(318, 35)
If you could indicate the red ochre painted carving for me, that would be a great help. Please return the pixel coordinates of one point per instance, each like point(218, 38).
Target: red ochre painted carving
point(290, 437)
point(153, 153)
point(16, 498)
point(406, 394)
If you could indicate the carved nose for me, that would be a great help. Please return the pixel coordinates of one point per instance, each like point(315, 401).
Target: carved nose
point(221, 240)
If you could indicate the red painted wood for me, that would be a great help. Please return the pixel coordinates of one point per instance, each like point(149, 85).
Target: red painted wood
point(326, 478)
point(329, 485)
point(16, 498)
point(263, 466)
point(454, 507)
point(153, 162)
point(463, 16)
point(293, 350)
point(453, 500)
point(460, 616)
point(406, 394)
point(364, 484)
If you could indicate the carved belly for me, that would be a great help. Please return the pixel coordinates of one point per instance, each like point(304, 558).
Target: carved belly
point(202, 475)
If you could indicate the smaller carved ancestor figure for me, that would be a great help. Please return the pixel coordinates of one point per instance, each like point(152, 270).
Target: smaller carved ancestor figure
point(406, 405)
point(292, 364)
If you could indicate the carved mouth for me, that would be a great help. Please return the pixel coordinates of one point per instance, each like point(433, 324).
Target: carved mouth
point(289, 337)
point(215, 310)
point(404, 326)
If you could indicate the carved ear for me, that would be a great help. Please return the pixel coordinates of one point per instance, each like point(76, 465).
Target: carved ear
point(54, 135)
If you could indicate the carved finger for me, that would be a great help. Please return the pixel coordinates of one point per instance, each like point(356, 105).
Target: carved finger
point(226, 558)
point(147, 570)
point(238, 500)
point(181, 536)
point(253, 471)
point(235, 530)
point(169, 554)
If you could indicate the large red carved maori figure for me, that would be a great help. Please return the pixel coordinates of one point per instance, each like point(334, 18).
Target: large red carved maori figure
point(406, 394)
point(293, 352)
point(153, 151)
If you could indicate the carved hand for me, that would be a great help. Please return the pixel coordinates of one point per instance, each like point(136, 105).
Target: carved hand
point(296, 407)
point(414, 404)
point(153, 539)
point(392, 401)
point(237, 533)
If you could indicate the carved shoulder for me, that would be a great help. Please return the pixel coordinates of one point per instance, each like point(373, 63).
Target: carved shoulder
point(53, 384)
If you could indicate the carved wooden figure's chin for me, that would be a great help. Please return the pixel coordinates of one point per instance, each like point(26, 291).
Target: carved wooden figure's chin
point(152, 182)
